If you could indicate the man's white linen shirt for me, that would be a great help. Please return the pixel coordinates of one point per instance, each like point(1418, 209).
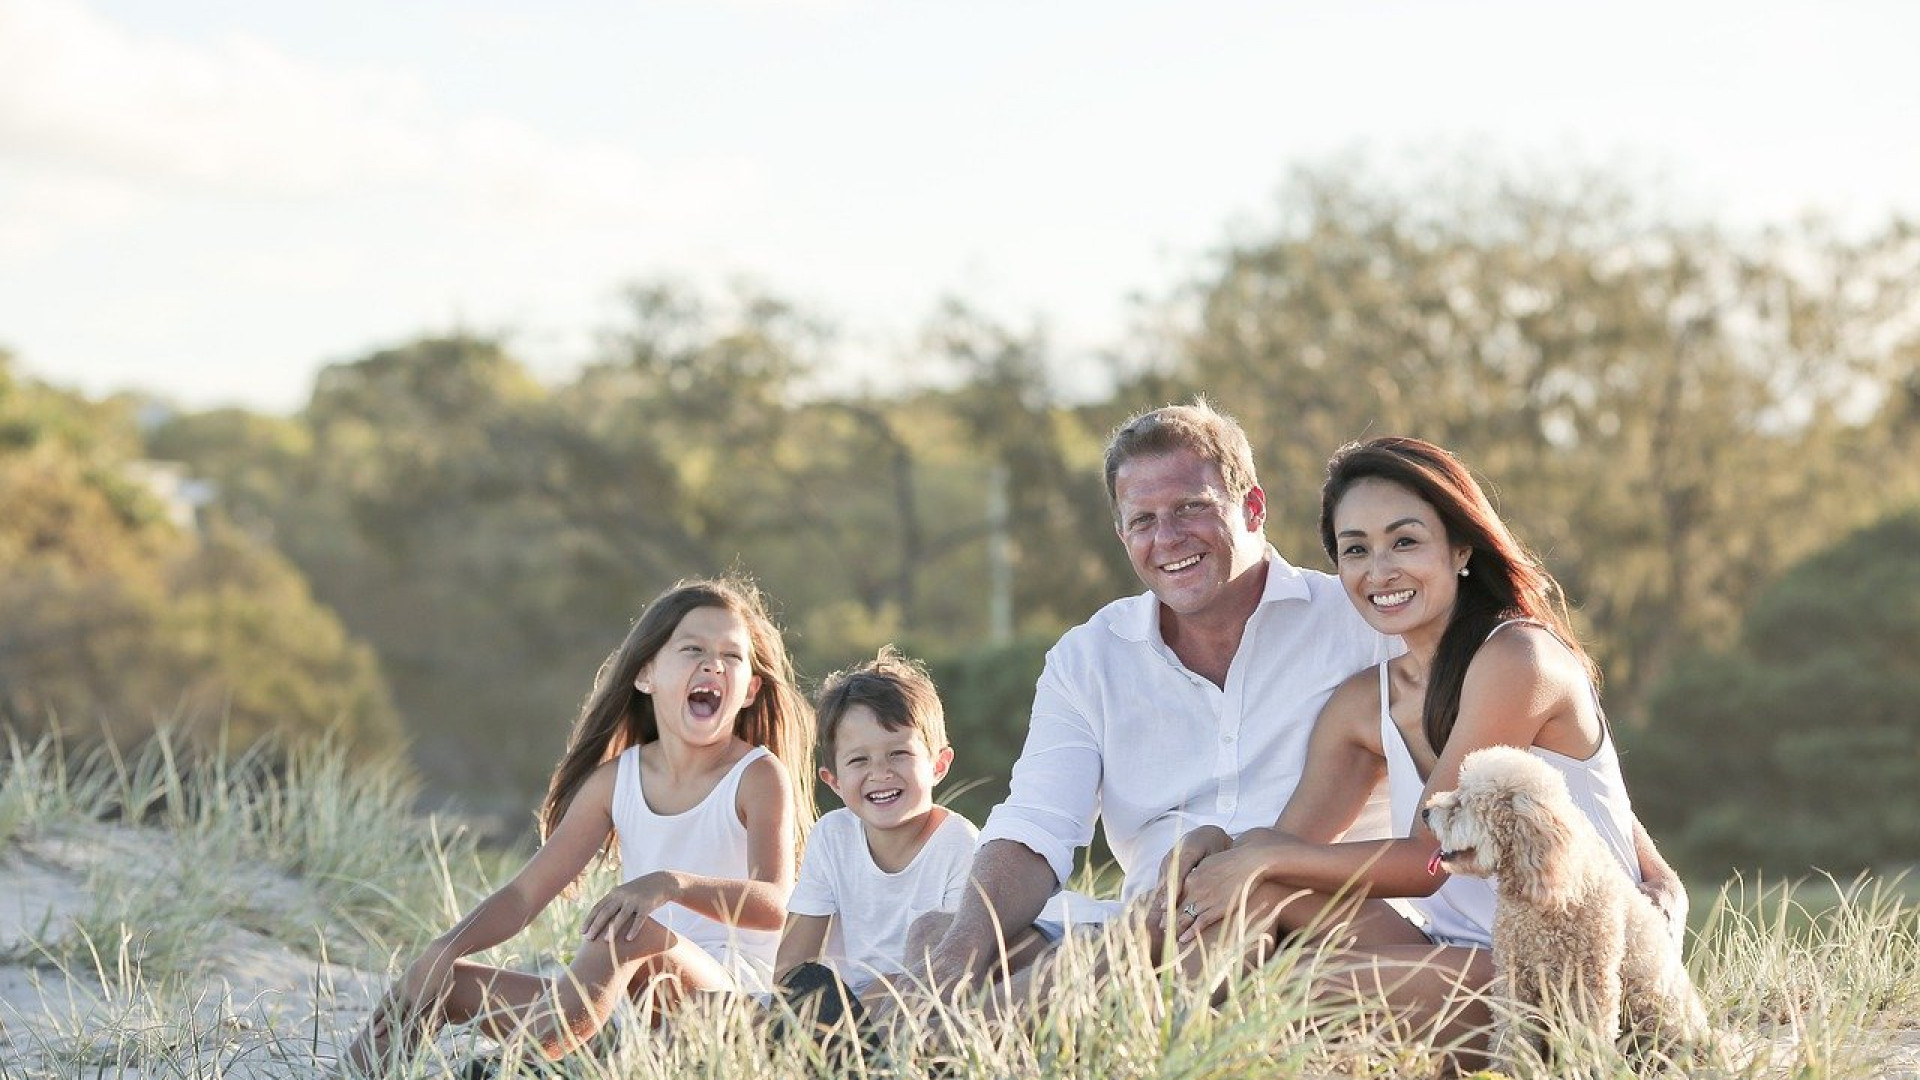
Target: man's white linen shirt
point(1121, 729)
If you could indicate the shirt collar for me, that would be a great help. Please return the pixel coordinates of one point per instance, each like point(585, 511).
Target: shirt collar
point(1141, 621)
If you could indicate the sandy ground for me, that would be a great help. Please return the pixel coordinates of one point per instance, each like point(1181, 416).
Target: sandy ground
point(258, 1008)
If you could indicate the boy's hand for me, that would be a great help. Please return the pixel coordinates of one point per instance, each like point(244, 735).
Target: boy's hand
point(625, 910)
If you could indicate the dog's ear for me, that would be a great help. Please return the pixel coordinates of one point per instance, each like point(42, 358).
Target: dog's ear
point(1533, 851)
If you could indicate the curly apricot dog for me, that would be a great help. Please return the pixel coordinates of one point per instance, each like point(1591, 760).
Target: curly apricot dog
point(1573, 941)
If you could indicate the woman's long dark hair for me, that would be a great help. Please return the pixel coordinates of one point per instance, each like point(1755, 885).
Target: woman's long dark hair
point(1504, 581)
point(616, 716)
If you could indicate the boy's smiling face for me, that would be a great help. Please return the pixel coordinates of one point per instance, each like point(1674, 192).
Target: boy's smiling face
point(885, 777)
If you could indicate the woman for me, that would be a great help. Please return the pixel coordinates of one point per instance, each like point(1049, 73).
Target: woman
point(1490, 660)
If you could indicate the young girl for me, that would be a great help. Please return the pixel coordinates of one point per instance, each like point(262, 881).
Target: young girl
point(693, 754)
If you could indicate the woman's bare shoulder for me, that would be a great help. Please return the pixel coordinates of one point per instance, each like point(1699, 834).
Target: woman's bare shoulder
point(1525, 666)
point(1354, 706)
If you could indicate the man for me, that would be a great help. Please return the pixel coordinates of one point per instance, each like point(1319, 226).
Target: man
point(1186, 706)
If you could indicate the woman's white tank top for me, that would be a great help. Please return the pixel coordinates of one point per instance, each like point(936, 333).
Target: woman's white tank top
point(708, 839)
point(1461, 912)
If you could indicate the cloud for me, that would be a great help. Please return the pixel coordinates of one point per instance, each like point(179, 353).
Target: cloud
point(85, 100)
point(42, 208)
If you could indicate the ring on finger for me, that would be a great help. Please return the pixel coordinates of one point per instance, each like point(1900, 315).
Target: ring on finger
point(1189, 910)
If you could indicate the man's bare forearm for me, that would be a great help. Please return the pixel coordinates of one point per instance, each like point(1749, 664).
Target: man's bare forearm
point(1009, 885)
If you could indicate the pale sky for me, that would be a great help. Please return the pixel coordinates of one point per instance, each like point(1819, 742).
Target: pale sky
point(212, 198)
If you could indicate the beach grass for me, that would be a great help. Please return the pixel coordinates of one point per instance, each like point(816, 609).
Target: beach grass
point(192, 913)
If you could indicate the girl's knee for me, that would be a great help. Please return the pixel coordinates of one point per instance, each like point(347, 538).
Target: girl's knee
point(648, 940)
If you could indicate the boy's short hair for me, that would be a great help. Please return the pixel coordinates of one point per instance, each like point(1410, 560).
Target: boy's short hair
point(1198, 427)
point(897, 689)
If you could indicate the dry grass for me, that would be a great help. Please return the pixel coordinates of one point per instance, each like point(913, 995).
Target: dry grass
point(166, 915)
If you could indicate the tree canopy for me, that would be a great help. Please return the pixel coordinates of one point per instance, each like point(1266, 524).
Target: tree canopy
point(115, 619)
point(1669, 413)
point(1800, 745)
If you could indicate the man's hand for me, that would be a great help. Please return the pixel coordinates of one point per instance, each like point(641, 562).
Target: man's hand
point(1008, 886)
point(1187, 852)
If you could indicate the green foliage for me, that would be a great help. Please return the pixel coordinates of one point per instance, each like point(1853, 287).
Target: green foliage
point(1807, 726)
point(251, 459)
point(114, 617)
point(1669, 414)
point(492, 538)
point(988, 694)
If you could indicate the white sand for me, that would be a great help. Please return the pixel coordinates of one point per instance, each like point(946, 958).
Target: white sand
point(266, 1010)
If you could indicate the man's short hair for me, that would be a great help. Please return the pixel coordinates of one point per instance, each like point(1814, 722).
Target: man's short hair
point(1198, 427)
point(897, 689)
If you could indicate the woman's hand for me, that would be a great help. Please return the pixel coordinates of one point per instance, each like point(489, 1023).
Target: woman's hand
point(1186, 854)
point(1221, 883)
point(626, 909)
point(1669, 897)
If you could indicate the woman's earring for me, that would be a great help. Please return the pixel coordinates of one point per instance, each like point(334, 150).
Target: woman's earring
point(1463, 571)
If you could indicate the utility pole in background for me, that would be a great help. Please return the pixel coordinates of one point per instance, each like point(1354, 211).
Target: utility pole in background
point(999, 559)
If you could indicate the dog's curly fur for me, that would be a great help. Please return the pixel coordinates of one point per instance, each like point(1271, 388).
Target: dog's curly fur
point(1573, 939)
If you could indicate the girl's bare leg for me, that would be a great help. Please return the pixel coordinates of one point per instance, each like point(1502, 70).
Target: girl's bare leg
point(556, 1014)
point(560, 1014)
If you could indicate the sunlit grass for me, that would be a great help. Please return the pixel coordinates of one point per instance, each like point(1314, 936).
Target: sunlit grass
point(194, 866)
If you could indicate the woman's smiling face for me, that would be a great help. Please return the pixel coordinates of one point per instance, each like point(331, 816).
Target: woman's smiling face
point(1395, 560)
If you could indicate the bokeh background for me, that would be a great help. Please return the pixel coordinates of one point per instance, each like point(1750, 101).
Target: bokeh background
point(367, 366)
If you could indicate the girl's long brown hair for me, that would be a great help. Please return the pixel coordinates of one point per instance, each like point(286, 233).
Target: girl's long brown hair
point(1504, 581)
point(616, 716)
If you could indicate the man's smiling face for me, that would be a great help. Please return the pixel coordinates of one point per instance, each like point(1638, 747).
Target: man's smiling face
point(1188, 539)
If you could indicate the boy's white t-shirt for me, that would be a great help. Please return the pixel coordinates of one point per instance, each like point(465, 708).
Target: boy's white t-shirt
point(873, 908)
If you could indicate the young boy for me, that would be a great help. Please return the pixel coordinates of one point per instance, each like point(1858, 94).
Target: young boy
point(891, 856)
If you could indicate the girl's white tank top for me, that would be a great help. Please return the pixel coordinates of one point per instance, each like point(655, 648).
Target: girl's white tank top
point(708, 839)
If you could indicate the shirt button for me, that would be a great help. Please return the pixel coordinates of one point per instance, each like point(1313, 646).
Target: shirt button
point(1228, 737)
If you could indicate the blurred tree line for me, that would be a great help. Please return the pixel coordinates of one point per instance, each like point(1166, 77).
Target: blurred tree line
point(1671, 415)
point(113, 617)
